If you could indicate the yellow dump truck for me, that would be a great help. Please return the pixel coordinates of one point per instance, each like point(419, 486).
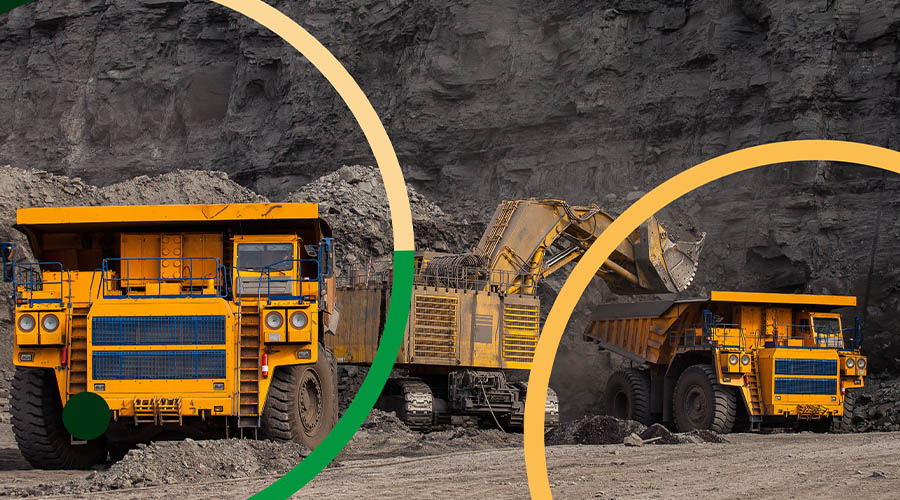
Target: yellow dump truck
point(190, 319)
point(733, 357)
point(474, 316)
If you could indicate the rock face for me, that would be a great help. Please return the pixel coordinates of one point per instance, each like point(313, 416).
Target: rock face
point(502, 99)
point(585, 101)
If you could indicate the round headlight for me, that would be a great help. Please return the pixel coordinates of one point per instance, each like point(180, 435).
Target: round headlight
point(274, 320)
point(26, 322)
point(745, 360)
point(849, 363)
point(49, 322)
point(733, 359)
point(861, 363)
point(298, 319)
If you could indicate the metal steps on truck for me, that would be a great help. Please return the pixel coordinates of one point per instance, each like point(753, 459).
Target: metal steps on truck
point(78, 351)
point(756, 409)
point(248, 371)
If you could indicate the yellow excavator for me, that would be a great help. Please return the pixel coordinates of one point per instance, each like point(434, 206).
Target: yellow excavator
point(476, 316)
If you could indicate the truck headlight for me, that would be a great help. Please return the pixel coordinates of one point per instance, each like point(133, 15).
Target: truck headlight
point(849, 363)
point(733, 359)
point(49, 322)
point(745, 360)
point(274, 320)
point(861, 363)
point(26, 323)
point(299, 319)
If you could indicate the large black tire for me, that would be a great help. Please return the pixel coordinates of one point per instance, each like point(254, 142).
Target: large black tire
point(38, 428)
point(700, 402)
point(848, 421)
point(628, 395)
point(302, 403)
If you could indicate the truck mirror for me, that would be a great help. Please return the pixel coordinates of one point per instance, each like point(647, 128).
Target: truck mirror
point(326, 257)
point(6, 252)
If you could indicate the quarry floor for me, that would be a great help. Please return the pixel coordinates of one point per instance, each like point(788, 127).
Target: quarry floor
point(799, 466)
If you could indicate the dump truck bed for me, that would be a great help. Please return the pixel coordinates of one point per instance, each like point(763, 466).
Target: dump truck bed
point(641, 331)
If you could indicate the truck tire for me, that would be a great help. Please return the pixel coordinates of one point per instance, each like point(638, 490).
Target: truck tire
point(628, 395)
point(302, 403)
point(845, 423)
point(700, 402)
point(37, 424)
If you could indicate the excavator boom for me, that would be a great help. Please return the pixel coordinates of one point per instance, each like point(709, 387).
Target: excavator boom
point(531, 239)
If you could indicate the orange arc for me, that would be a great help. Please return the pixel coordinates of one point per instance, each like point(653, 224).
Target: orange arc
point(649, 204)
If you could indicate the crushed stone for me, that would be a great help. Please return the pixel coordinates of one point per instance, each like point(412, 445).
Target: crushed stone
point(876, 406)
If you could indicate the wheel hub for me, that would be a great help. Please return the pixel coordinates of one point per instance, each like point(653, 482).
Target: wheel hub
point(311, 403)
point(695, 405)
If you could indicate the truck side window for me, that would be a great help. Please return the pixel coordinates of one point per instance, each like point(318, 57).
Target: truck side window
point(256, 256)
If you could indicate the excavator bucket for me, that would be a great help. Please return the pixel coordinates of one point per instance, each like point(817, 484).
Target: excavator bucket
point(665, 265)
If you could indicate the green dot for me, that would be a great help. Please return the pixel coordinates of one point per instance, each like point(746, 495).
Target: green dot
point(86, 416)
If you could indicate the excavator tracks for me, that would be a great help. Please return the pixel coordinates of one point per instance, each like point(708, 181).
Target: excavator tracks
point(417, 401)
point(551, 409)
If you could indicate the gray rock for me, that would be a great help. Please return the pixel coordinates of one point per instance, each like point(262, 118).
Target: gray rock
point(633, 440)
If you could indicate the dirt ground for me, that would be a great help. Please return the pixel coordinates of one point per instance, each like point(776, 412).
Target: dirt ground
point(798, 466)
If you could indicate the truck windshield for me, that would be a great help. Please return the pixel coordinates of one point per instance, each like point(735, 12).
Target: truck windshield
point(828, 330)
point(256, 256)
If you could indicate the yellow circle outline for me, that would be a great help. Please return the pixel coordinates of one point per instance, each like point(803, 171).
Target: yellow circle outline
point(641, 210)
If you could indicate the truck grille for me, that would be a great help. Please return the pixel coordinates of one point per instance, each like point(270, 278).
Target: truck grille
point(806, 367)
point(130, 365)
point(820, 386)
point(158, 330)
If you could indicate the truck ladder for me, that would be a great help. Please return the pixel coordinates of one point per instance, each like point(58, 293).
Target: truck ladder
point(248, 371)
point(78, 351)
point(756, 409)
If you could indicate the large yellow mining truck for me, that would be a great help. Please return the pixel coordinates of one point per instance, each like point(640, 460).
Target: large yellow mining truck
point(475, 315)
point(757, 357)
point(190, 319)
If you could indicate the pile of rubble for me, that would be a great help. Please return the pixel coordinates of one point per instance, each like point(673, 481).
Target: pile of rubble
point(352, 199)
point(173, 462)
point(385, 435)
point(604, 429)
point(877, 406)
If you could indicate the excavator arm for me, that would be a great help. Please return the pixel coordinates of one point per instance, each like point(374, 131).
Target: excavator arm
point(529, 240)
